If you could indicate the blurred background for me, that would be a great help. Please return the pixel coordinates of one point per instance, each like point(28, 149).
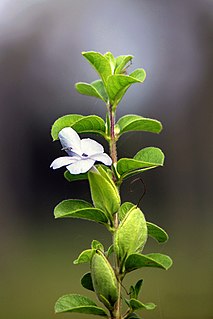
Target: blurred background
point(40, 60)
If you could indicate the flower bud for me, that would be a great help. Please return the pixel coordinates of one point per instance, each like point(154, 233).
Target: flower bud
point(104, 280)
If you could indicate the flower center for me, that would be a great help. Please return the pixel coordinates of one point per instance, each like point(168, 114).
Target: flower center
point(84, 155)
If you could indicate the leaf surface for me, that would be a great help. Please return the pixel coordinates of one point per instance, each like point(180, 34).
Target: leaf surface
point(136, 261)
point(100, 63)
point(63, 121)
point(131, 235)
point(136, 305)
point(104, 195)
point(80, 123)
point(133, 122)
point(147, 158)
point(124, 209)
point(157, 232)
point(75, 177)
point(75, 208)
point(88, 89)
point(86, 281)
point(78, 303)
point(121, 62)
point(117, 84)
point(84, 257)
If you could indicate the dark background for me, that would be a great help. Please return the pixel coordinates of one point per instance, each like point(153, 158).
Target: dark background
point(40, 61)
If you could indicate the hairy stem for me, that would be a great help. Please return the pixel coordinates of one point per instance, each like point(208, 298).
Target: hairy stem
point(116, 313)
point(113, 149)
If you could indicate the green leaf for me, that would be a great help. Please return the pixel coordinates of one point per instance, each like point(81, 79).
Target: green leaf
point(157, 232)
point(84, 257)
point(131, 235)
point(88, 89)
point(90, 124)
point(97, 245)
point(133, 315)
point(100, 63)
point(99, 86)
point(77, 177)
point(136, 261)
point(81, 124)
point(104, 195)
point(136, 305)
point(78, 303)
point(147, 158)
point(75, 208)
point(104, 280)
point(133, 122)
point(118, 84)
point(151, 155)
point(124, 209)
point(86, 281)
point(138, 287)
point(134, 290)
point(64, 121)
point(121, 62)
point(112, 61)
point(139, 74)
point(107, 174)
point(110, 250)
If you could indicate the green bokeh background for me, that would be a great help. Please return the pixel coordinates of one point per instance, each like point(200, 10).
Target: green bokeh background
point(40, 46)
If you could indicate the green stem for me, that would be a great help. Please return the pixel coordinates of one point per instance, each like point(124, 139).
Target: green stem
point(112, 144)
point(116, 313)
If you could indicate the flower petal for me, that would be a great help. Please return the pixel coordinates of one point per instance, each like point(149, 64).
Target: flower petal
point(91, 147)
point(70, 139)
point(63, 161)
point(104, 158)
point(81, 166)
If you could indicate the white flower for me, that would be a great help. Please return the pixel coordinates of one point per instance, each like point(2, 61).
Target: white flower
point(82, 153)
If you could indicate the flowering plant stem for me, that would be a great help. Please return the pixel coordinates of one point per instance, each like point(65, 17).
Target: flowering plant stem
point(116, 314)
point(125, 221)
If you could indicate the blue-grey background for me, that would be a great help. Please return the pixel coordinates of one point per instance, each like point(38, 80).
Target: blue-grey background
point(40, 61)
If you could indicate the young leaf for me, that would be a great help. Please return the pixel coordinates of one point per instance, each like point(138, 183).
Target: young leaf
point(111, 59)
point(86, 281)
point(131, 234)
point(97, 245)
point(138, 287)
point(104, 195)
point(99, 86)
point(147, 158)
point(136, 261)
point(77, 177)
point(107, 174)
point(80, 123)
point(75, 208)
point(64, 121)
point(88, 89)
point(84, 257)
point(109, 251)
point(78, 303)
point(117, 84)
point(124, 209)
point(104, 280)
point(133, 122)
point(134, 291)
point(100, 63)
point(133, 315)
point(136, 305)
point(121, 62)
point(157, 232)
